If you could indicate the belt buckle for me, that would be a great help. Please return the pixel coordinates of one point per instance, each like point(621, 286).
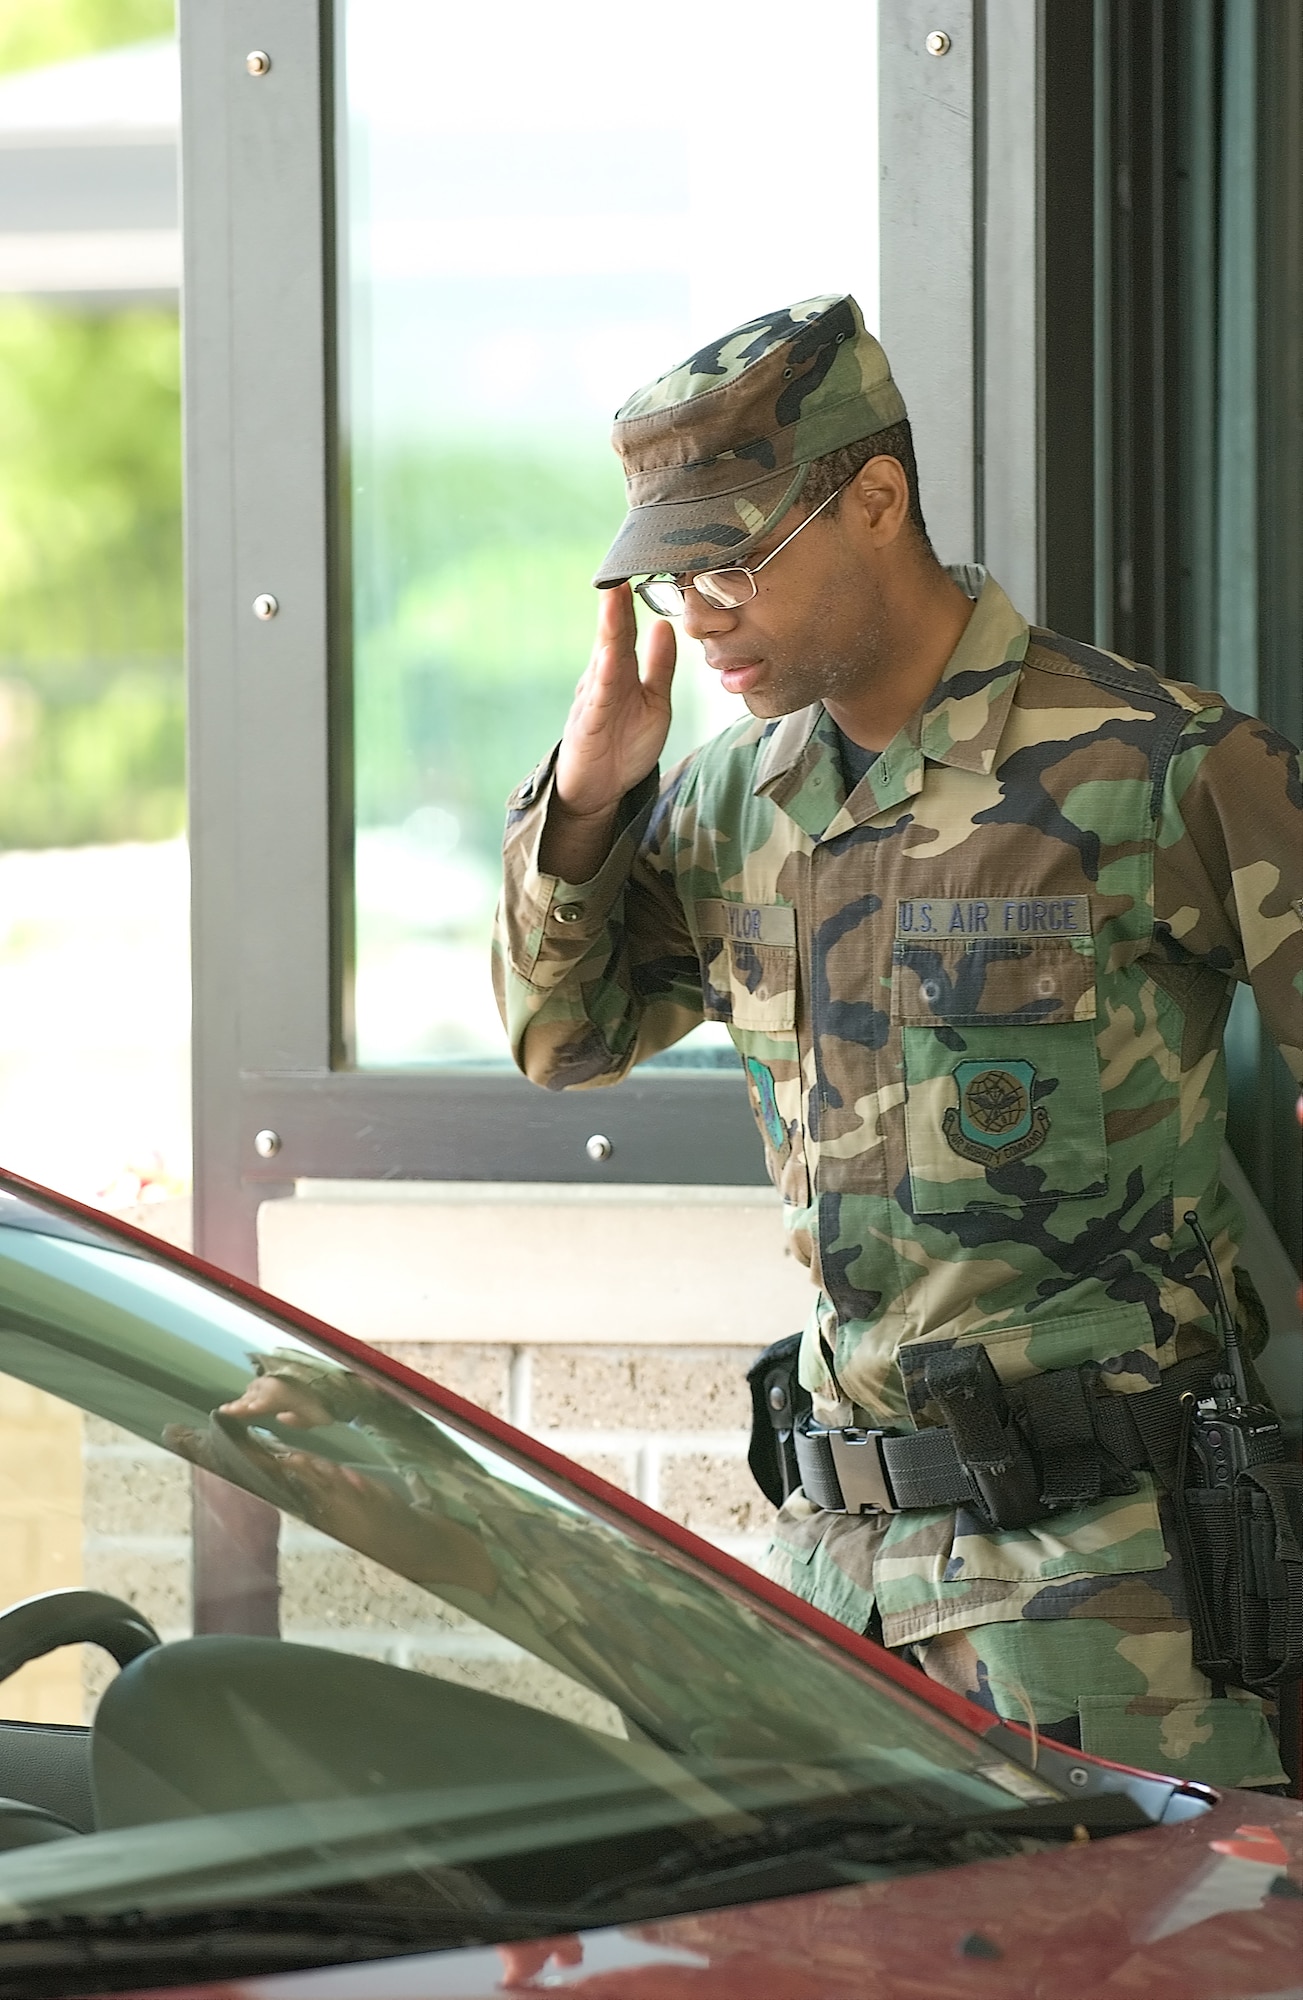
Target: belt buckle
point(862, 1472)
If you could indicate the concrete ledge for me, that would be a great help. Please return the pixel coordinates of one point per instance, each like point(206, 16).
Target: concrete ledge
point(528, 1264)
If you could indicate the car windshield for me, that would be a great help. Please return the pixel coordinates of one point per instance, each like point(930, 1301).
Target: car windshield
point(369, 1651)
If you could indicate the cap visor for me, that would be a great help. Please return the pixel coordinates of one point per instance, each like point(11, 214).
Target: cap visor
point(676, 535)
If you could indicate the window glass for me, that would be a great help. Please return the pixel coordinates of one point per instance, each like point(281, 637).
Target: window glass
point(479, 1690)
point(540, 210)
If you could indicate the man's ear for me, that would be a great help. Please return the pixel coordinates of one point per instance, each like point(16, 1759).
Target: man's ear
point(880, 491)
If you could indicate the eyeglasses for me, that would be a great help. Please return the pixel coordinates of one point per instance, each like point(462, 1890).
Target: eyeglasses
point(724, 589)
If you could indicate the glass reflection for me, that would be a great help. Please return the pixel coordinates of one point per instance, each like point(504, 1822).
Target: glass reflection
point(517, 253)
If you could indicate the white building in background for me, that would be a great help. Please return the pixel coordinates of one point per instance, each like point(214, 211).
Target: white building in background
point(88, 177)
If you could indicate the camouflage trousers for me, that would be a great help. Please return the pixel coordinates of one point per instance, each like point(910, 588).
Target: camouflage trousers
point(1130, 1693)
point(1102, 1663)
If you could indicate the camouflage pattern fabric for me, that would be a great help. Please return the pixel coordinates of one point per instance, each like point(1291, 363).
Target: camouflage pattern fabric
point(1101, 1662)
point(716, 451)
point(1118, 1686)
point(980, 1006)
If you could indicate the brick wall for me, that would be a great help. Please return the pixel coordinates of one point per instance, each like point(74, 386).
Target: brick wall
point(563, 1307)
point(614, 1323)
point(136, 1539)
point(669, 1424)
point(41, 1542)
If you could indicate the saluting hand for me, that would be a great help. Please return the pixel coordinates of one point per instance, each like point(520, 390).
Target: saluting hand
point(615, 732)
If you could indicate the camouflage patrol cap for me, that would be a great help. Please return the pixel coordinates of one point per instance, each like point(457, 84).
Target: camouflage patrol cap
point(716, 451)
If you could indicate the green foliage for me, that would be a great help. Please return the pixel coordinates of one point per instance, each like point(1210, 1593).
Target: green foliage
point(90, 483)
point(34, 32)
point(475, 618)
point(91, 686)
point(473, 577)
point(93, 758)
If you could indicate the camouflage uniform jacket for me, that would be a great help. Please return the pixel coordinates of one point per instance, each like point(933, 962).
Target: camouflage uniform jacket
point(980, 1006)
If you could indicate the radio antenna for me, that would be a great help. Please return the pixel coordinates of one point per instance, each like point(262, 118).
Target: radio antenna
point(1222, 1314)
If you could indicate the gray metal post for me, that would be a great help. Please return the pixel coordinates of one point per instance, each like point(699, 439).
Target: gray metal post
point(960, 124)
point(256, 477)
point(1010, 356)
point(256, 462)
point(928, 139)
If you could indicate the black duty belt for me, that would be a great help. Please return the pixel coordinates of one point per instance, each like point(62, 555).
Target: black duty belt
point(879, 1472)
point(1013, 1455)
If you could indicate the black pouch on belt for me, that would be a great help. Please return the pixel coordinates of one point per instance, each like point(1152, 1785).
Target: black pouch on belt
point(777, 1400)
point(1243, 1545)
point(1239, 1515)
point(993, 1451)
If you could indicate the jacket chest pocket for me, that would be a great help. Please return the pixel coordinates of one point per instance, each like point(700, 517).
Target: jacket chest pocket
point(748, 965)
point(1003, 1105)
point(748, 981)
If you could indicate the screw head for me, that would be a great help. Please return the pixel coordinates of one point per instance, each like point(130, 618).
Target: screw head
point(599, 1147)
point(266, 1144)
point(938, 43)
point(1078, 1777)
point(265, 606)
point(257, 62)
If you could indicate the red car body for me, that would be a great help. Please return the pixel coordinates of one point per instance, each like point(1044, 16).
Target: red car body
point(1210, 1908)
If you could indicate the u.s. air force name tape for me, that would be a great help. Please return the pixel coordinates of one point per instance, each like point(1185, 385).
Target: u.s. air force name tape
point(919, 917)
point(994, 916)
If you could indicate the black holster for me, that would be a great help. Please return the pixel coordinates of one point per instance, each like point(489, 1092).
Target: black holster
point(1243, 1551)
point(1055, 1442)
point(777, 1400)
point(992, 1449)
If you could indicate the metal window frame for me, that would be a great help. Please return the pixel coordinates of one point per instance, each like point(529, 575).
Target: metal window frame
point(1009, 261)
point(989, 285)
point(270, 837)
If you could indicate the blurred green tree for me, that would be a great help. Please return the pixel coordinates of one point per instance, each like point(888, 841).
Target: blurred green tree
point(92, 743)
point(91, 685)
point(472, 569)
point(49, 31)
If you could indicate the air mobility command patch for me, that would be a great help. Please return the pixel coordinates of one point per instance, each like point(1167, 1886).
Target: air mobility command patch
point(995, 1121)
point(762, 1078)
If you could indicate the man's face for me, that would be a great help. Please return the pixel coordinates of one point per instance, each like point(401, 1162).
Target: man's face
point(815, 629)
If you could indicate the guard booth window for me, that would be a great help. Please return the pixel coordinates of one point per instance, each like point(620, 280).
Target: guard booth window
point(428, 251)
point(538, 210)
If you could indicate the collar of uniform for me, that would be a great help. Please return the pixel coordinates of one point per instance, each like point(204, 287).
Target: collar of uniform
point(963, 719)
point(800, 770)
point(800, 767)
point(961, 724)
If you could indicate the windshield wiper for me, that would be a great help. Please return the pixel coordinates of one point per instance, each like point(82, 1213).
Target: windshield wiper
point(122, 1946)
point(858, 1840)
point(42, 1956)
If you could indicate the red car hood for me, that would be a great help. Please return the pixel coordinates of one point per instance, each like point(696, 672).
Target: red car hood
point(1211, 1909)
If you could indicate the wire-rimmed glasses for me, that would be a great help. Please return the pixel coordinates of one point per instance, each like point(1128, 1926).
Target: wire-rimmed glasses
point(724, 589)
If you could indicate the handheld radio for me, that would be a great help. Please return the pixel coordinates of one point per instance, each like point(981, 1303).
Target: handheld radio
point(1228, 1433)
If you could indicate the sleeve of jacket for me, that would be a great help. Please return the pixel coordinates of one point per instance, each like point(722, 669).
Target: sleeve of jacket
point(1228, 873)
point(592, 977)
